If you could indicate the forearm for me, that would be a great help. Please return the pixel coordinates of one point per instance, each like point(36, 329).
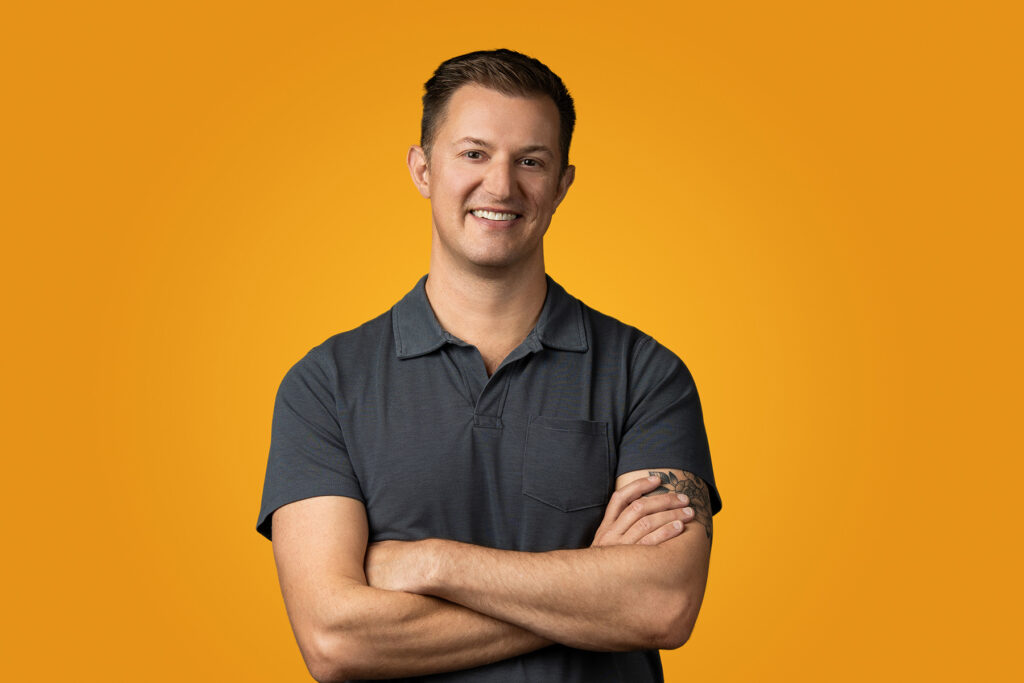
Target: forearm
point(374, 633)
point(608, 598)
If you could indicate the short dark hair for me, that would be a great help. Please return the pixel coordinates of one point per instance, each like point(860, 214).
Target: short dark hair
point(510, 73)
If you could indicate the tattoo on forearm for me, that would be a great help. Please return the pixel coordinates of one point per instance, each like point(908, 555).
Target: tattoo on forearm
point(694, 488)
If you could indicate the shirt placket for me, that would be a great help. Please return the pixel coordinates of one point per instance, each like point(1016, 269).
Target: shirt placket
point(487, 394)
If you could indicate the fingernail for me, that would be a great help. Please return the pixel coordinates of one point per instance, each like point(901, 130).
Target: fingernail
point(677, 525)
point(682, 498)
point(688, 511)
point(652, 478)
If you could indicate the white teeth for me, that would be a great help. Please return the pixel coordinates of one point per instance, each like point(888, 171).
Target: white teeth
point(493, 215)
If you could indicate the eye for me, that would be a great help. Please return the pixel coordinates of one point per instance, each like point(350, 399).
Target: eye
point(473, 154)
point(533, 163)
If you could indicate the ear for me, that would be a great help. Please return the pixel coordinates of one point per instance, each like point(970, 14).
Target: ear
point(419, 169)
point(568, 175)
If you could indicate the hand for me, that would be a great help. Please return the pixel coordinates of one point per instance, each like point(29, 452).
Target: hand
point(633, 519)
point(395, 565)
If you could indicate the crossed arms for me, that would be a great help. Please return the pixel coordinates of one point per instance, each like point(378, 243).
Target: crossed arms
point(397, 608)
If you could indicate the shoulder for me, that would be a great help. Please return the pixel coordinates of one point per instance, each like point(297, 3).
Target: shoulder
point(357, 342)
point(342, 349)
point(342, 359)
point(609, 336)
point(640, 351)
point(649, 371)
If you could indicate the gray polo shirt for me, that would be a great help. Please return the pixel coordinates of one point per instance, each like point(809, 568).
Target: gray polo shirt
point(402, 416)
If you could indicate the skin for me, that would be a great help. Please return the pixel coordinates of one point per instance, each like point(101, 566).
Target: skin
point(396, 608)
point(615, 597)
point(486, 282)
point(355, 614)
point(492, 152)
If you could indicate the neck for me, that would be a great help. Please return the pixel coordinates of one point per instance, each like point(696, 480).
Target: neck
point(494, 313)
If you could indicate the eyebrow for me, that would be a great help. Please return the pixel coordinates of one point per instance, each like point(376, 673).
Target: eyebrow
point(529, 149)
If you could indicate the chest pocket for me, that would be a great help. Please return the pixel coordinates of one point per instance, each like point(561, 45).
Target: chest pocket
point(567, 463)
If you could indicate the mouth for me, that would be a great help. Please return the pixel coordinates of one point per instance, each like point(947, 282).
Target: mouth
point(495, 215)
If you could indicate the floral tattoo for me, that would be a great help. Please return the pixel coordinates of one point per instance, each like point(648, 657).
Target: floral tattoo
point(691, 486)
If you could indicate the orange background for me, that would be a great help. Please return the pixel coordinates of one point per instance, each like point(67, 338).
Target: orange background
point(817, 206)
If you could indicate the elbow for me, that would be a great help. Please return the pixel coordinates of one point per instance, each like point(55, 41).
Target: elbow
point(322, 655)
point(674, 635)
point(330, 658)
point(673, 629)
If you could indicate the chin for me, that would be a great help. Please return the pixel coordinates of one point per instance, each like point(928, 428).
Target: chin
point(494, 264)
point(496, 261)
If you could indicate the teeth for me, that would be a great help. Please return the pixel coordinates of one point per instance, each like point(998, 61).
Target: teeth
point(493, 215)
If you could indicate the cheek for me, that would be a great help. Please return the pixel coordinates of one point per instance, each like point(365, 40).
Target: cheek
point(453, 182)
point(545, 190)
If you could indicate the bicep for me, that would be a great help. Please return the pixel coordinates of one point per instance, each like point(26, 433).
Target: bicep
point(319, 548)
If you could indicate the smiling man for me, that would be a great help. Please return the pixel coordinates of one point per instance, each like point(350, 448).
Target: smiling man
point(491, 481)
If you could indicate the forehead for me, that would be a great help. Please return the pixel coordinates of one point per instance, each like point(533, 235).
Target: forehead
point(478, 112)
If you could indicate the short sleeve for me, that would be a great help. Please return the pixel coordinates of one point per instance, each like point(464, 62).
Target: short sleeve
point(665, 425)
point(307, 449)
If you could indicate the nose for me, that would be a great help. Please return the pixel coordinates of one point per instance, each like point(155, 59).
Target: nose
point(499, 181)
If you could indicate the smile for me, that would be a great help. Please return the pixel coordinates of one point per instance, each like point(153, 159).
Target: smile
point(494, 215)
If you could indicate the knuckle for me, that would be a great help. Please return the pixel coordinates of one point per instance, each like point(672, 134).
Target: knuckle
point(652, 539)
point(668, 502)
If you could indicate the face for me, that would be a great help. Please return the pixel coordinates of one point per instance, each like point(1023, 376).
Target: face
point(494, 179)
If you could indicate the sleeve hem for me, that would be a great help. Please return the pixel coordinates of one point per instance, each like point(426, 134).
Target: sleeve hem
point(265, 523)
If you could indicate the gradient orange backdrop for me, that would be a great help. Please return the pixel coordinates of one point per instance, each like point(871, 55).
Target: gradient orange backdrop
point(816, 205)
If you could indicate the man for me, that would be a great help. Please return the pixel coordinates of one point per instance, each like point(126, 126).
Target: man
point(457, 487)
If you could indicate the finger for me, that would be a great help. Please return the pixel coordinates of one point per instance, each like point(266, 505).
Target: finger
point(642, 507)
point(663, 533)
point(626, 495)
point(618, 501)
point(652, 522)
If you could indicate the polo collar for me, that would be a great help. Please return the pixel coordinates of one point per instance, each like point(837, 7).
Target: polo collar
point(417, 332)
